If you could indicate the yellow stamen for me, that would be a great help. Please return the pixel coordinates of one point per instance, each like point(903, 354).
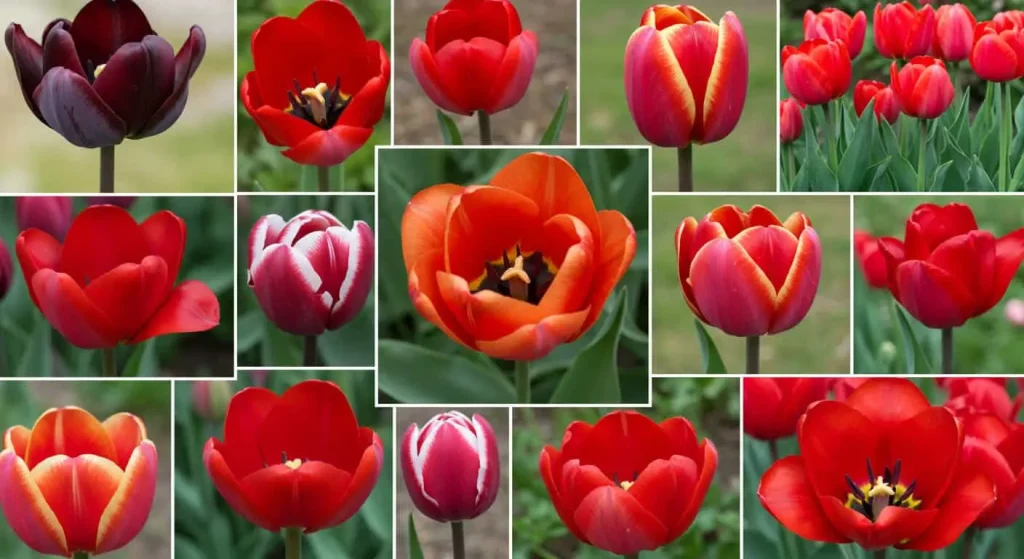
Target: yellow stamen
point(293, 464)
point(881, 488)
point(517, 279)
point(627, 484)
point(99, 69)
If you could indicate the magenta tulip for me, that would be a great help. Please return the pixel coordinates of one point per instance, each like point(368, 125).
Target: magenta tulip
point(50, 214)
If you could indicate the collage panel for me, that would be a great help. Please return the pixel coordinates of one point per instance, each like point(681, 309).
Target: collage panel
point(740, 283)
point(306, 277)
point(656, 482)
point(283, 464)
point(116, 286)
point(85, 469)
point(511, 277)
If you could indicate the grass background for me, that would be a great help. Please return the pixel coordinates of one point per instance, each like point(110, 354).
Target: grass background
point(676, 347)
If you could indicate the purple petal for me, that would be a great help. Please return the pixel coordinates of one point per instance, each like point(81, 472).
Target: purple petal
point(102, 27)
point(71, 107)
point(28, 62)
point(59, 51)
point(137, 80)
point(185, 65)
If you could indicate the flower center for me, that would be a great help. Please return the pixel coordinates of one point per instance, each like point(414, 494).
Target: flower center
point(626, 483)
point(293, 464)
point(524, 276)
point(320, 105)
point(871, 497)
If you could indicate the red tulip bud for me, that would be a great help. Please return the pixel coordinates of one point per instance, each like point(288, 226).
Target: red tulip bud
point(210, 398)
point(791, 120)
point(51, 214)
point(886, 104)
point(836, 25)
point(772, 407)
point(922, 87)
point(1010, 19)
point(451, 466)
point(902, 31)
point(817, 71)
point(954, 32)
point(871, 260)
point(998, 53)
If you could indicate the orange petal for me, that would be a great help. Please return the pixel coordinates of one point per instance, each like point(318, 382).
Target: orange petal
point(657, 92)
point(727, 85)
point(796, 223)
point(68, 431)
point(760, 215)
point(486, 314)
point(27, 512)
point(685, 235)
point(537, 340)
point(570, 245)
point(731, 291)
point(78, 490)
point(481, 224)
point(731, 218)
point(129, 508)
point(126, 431)
point(797, 293)
point(426, 297)
point(16, 439)
point(772, 248)
point(617, 250)
point(423, 222)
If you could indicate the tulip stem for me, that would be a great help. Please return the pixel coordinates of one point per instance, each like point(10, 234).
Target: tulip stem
point(791, 171)
point(309, 352)
point(485, 127)
point(685, 159)
point(80, 555)
point(293, 543)
point(921, 163)
point(969, 535)
point(830, 132)
point(323, 178)
point(753, 355)
point(1006, 133)
point(523, 382)
point(458, 541)
point(947, 351)
point(109, 362)
point(632, 556)
point(107, 170)
point(880, 553)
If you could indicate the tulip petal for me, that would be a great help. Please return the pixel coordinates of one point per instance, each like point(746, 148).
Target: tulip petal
point(618, 247)
point(657, 91)
point(366, 107)
point(933, 93)
point(16, 439)
point(570, 247)
point(534, 341)
point(665, 487)
point(773, 250)
point(186, 62)
point(354, 289)
point(424, 67)
point(993, 59)
point(74, 110)
point(28, 63)
point(137, 80)
point(893, 525)
point(486, 314)
point(928, 445)
point(981, 456)
point(286, 287)
point(971, 259)
point(127, 432)
point(165, 233)
point(579, 481)
point(548, 467)
point(731, 291)
point(26, 509)
point(246, 413)
point(312, 421)
point(190, 307)
point(446, 467)
point(622, 443)
point(423, 222)
point(78, 490)
point(785, 492)
point(683, 439)
point(71, 313)
point(933, 296)
point(930, 225)
point(970, 493)
point(305, 496)
point(285, 50)
point(806, 80)
point(482, 223)
point(36, 250)
point(129, 294)
point(227, 484)
point(102, 27)
point(59, 51)
point(614, 521)
point(264, 233)
point(100, 239)
point(514, 74)
point(763, 416)
point(888, 401)
point(364, 478)
point(707, 462)
point(797, 293)
point(837, 441)
point(426, 297)
point(727, 84)
point(333, 27)
point(69, 431)
point(329, 147)
point(686, 234)
point(130, 506)
point(1009, 255)
point(474, 66)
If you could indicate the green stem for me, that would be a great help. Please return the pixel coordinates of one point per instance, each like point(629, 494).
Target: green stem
point(107, 170)
point(523, 382)
point(632, 556)
point(109, 362)
point(921, 156)
point(830, 130)
point(753, 355)
point(323, 179)
point(485, 128)
point(904, 120)
point(309, 352)
point(969, 536)
point(773, 450)
point(791, 172)
point(458, 541)
point(880, 553)
point(947, 351)
point(293, 543)
point(685, 159)
point(1004, 140)
point(80, 555)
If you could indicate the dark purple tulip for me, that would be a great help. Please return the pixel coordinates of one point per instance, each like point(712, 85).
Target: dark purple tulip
point(6, 270)
point(51, 214)
point(106, 76)
point(119, 201)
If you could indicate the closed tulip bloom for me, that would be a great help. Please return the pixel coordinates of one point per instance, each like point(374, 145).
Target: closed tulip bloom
point(773, 406)
point(298, 460)
point(106, 76)
point(1009, 19)
point(902, 31)
point(791, 120)
point(686, 77)
point(748, 274)
point(968, 396)
point(6, 270)
point(451, 466)
point(311, 273)
point(817, 71)
point(947, 271)
point(871, 260)
point(477, 57)
point(210, 398)
point(954, 32)
point(998, 54)
point(318, 87)
point(922, 86)
point(51, 214)
point(995, 446)
point(627, 484)
point(112, 279)
point(887, 106)
point(72, 485)
point(832, 24)
point(882, 469)
point(842, 387)
point(518, 266)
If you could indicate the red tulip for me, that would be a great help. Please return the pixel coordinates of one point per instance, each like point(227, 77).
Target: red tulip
point(477, 57)
point(319, 86)
point(996, 447)
point(954, 32)
point(872, 262)
point(902, 31)
point(74, 485)
point(748, 273)
point(882, 469)
point(518, 266)
point(312, 273)
point(773, 406)
point(451, 467)
point(832, 24)
point(998, 54)
point(947, 271)
point(112, 280)
point(298, 460)
point(922, 87)
point(979, 395)
point(791, 120)
point(50, 214)
point(106, 75)
point(686, 78)
point(6, 270)
point(628, 484)
point(817, 71)
point(842, 387)
point(1010, 19)
point(887, 106)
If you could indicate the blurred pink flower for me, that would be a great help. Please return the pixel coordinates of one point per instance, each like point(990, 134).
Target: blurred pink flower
point(1014, 311)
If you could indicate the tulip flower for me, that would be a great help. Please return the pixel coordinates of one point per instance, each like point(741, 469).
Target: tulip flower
point(1009, 19)
point(791, 120)
point(627, 484)
point(832, 24)
point(518, 266)
point(954, 32)
point(477, 58)
point(886, 104)
point(112, 279)
point(902, 31)
point(969, 396)
point(298, 461)
point(311, 273)
point(842, 387)
point(210, 398)
point(773, 406)
point(125, 202)
point(997, 448)
point(50, 214)
point(72, 485)
point(6, 270)
point(318, 87)
point(882, 469)
point(451, 466)
point(998, 53)
point(872, 262)
point(1014, 312)
point(817, 71)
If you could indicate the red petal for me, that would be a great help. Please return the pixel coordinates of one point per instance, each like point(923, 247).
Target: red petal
point(806, 80)
point(514, 74)
point(227, 483)
point(424, 67)
point(578, 481)
point(983, 457)
point(551, 474)
point(26, 509)
point(36, 250)
point(78, 490)
point(763, 417)
point(16, 439)
point(130, 506)
point(329, 147)
point(785, 492)
point(694, 47)
point(797, 293)
point(137, 80)
point(285, 50)
point(70, 105)
point(731, 290)
point(363, 479)
point(190, 307)
point(165, 233)
point(245, 415)
point(127, 432)
point(423, 222)
point(612, 520)
point(665, 487)
point(707, 462)
point(312, 421)
point(334, 29)
point(893, 525)
point(129, 294)
point(286, 287)
point(366, 107)
point(930, 225)
point(835, 441)
point(473, 65)
point(727, 83)
point(447, 468)
point(933, 296)
point(623, 443)
point(971, 259)
point(354, 287)
point(69, 431)
point(71, 313)
point(683, 439)
point(306, 497)
point(928, 445)
point(100, 239)
point(970, 493)
point(772, 248)
point(281, 128)
point(1009, 255)
point(888, 402)
point(657, 92)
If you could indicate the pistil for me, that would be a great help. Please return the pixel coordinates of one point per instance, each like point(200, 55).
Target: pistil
point(518, 280)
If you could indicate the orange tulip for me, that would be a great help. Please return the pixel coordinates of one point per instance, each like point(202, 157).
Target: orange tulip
point(74, 485)
point(516, 267)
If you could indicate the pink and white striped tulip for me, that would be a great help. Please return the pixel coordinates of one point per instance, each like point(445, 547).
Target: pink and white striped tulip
point(311, 273)
point(451, 466)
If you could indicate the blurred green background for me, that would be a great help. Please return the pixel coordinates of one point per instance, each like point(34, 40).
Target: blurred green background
point(261, 167)
point(205, 527)
point(985, 344)
point(676, 346)
point(711, 404)
point(743, 161)
point(31, 347)
point(260, 343)
point(21, 403)
point(419, 363)
point(194, 155)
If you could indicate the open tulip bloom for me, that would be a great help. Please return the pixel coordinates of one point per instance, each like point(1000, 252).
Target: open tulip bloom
point(104, 77)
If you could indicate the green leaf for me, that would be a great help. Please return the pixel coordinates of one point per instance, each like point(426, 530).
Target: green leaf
point(593, 377)
point(939, 183)
point(449, 131)
point(143, 361)
point(412, 374)
point(37, 361)
point(711, 359)
point(415, 551)
point(914, 358)
point(979, 180)
point(880, 181)
point(819, 177)
point(554, 130)
point(853, 169)
point(989, 152)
